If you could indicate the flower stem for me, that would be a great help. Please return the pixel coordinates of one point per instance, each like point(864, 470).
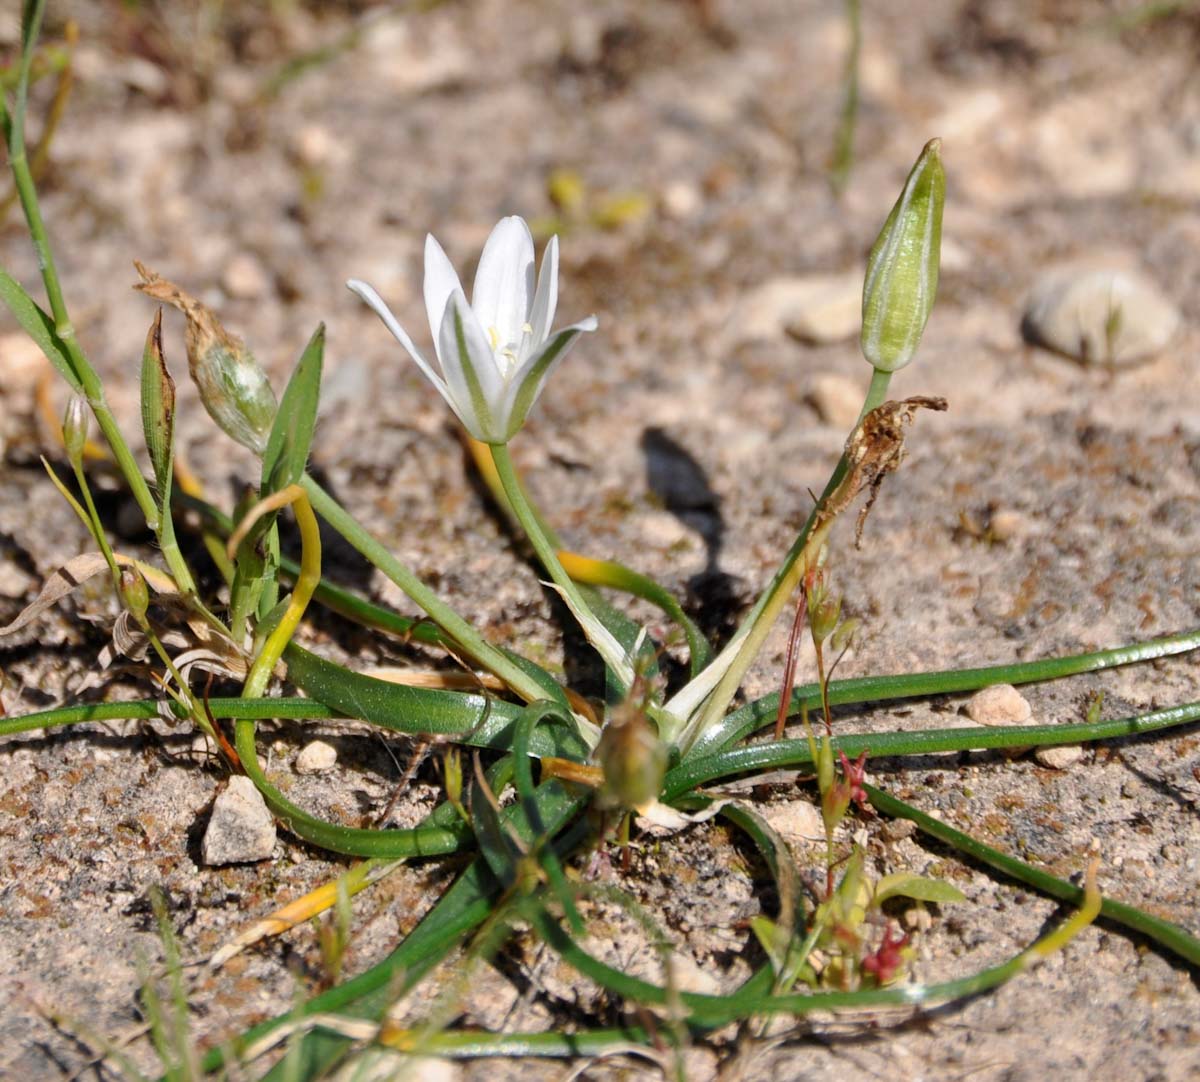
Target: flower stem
point(717, 685)
point(599, 636)
point(462, 633)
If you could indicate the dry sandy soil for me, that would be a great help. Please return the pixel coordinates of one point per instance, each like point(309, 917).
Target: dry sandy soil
point(680, 438)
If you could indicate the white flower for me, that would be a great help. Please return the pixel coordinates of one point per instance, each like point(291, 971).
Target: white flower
point(496, 352)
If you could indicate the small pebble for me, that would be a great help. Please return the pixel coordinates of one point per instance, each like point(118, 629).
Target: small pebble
point(798, 822)
point(1059, 758)
point(315, 758)
point(837, 399)
point(240, 829)
point(1099, 316)
point(827, 308)
point(244, 278)
point(14, 583)
point(1005, 525)
point(681, 200)
point(1001, 704)
point(203, 747)
point(895, 830)
point(814, 308)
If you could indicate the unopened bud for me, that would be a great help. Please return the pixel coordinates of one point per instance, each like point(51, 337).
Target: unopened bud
point(824, 617)
point(824, 765)
point(633, 759)
point(134, 592)
point(75, 429)
point(845, 634)
point(902, 269)
point(234, 389)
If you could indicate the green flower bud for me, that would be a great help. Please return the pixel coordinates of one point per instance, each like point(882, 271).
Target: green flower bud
point(234, 389)
point(75, 429)
point(825, 774)
point(902, 269)
point(824, 617)
point(134, 592)
point(632, 757)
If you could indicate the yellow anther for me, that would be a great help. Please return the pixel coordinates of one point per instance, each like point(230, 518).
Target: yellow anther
point(494, 337)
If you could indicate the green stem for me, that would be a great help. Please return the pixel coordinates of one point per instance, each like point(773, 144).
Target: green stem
point(460, 632)
point(715, 687)
point(797, 753)
point(88, 380)
point(871, 689)
point(599, 636)
point(1178, 941)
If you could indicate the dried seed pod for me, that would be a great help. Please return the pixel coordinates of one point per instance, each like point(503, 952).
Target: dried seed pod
point(232, 386)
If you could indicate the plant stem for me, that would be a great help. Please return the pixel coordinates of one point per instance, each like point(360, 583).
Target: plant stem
point(599, 636)
point(727, 669)
point(463, 635)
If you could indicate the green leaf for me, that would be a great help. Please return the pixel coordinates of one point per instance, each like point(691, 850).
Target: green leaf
point(158, 412)
point(39, 326)
point(919, 887)
point(292, 432)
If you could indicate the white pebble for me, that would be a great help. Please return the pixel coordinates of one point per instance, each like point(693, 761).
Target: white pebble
point(1059, 758)
point(315, 758)
point(1100, 315)
point(798, 822)
point(244, 278)
point(240, 829)
point(1001, 704)
point(814, 308)
point(837, 399)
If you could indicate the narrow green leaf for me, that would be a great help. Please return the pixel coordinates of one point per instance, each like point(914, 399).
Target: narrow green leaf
point(292, 432)
point(39, 325)
point(495, 845)
point(919, 887)
point(158, 412)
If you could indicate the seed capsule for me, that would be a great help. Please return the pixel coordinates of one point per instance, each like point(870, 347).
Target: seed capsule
point(234, 389)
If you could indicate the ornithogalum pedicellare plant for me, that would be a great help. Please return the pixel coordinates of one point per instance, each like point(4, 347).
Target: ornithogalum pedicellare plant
point(640, 754)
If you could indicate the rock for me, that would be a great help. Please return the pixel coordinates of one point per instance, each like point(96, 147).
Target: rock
point(1000, 704)
point(1005, 525)
point(14, 583)
point(1059, 758)
point(681, 200)
point(203, 747)
point(244, 278)
point(316, 147)
point(814, 308)
point(798, 822)
point(240, 829)
point(1099, 315)
point(837, 399)
point(315, 758)
point(828, 308)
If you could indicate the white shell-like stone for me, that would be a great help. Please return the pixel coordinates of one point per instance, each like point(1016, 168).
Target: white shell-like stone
point(1001, 704)
point(315, 758)
point(1099, 316)
point(1059, 758)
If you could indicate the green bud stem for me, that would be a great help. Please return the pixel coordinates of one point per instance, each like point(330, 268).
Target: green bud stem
point(603, 641)
point(461, 633)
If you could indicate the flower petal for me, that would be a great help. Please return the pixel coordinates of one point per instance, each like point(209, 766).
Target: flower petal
point(476, 387)
point(504, 281)
point(440, 281)
point(375, 301)
point(526, 382)
point(545, 300)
